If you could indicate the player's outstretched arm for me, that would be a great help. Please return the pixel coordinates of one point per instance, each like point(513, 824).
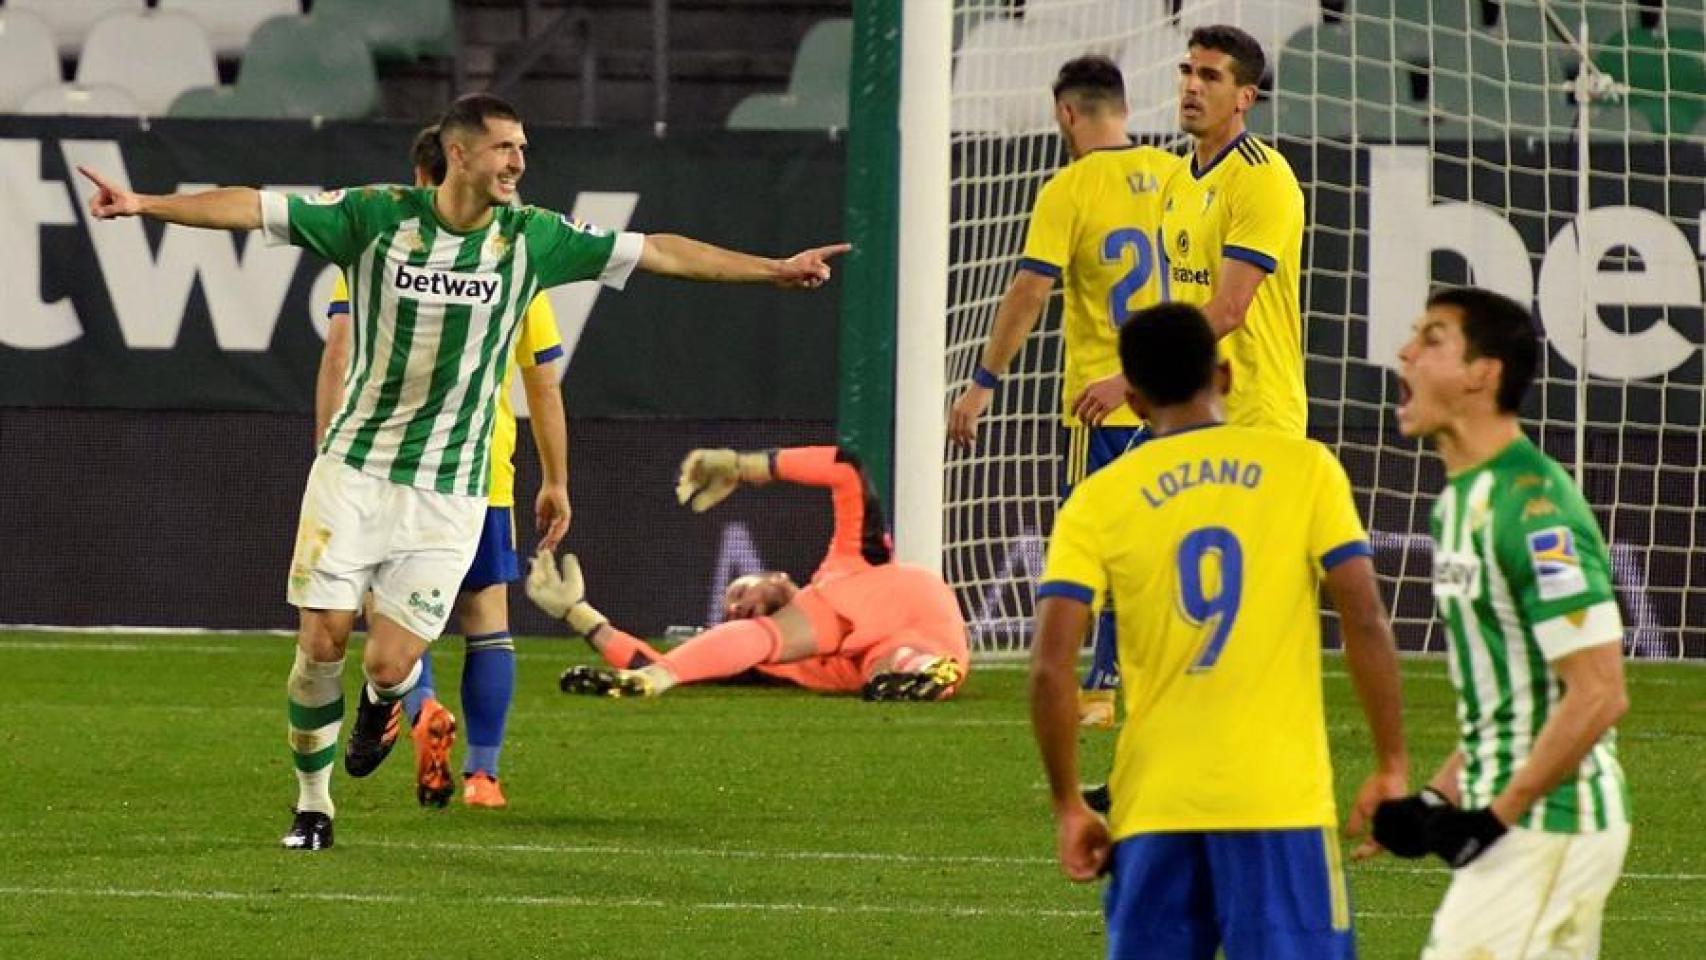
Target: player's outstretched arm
point(708, 477)
point(550, 428)
point(1371, 658)
point(677, 256)
point(561, 592)
point(225, 208)
point(1082, 838)
point(1017, 315)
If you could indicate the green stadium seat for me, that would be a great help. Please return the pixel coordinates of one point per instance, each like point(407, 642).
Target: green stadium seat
point(1339, 81)
point(228, 102)
point(397, 29)
point(316, 66)
point(816, 98)
point(1666, 71)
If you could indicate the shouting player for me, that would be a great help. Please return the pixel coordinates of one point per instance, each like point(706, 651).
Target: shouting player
point(864, 624)
point(1232, 233)
point(397, 498)
point(482, 605)
point(1531, 810)
point(1093, 228)
point(1213, 540)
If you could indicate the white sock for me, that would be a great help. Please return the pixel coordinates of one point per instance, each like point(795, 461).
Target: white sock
point(383, 694)
point(316, 704)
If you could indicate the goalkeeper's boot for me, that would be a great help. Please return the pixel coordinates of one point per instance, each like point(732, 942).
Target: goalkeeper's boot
point(480, 789)
point(434, 735)
point(606, 682)
point(377, 724)
point(936, 679)
point(1096, 709)
point(310, 830)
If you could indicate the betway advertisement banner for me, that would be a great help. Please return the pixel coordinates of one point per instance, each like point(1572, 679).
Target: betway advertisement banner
point(140, 315)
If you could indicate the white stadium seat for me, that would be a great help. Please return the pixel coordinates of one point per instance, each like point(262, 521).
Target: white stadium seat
point(28, 58)
point(71, 20)
point(229, 22)
point(155, 55)
point(70, 99)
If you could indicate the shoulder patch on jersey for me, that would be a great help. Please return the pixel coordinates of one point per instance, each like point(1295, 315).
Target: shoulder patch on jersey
point(582, 227)
point(325, 198)
point(1557, 566)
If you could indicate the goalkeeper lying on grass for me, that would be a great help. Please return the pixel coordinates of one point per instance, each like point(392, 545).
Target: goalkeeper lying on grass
point(864, 624)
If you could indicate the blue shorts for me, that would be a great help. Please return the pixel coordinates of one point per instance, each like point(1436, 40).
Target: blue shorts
point(495, 560)
point(1089, 449)
point(1260, 894)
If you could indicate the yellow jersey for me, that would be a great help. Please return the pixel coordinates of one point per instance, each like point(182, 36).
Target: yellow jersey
point(1093, 227)
point(1211, 542)
point(1246, 206)
point(539, 342)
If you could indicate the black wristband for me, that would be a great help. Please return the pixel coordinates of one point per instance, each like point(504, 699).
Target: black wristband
point(983, 378)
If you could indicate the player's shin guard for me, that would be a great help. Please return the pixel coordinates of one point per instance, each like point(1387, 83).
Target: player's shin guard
point(725, 651)
point(422, 692)
point(488, 686)
point(316, 697)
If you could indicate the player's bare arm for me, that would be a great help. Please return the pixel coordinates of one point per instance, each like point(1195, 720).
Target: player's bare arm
point(1371, 658)
point(551, 435)
point(1020, 309)
point(1230, 304)
point(1100, 398)
point(223, 208)
point(1594, 698)
point(1082, 838)
point(676, 256)
point(329, 381)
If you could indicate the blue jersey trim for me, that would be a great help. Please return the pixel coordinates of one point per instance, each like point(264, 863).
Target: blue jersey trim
point(1043, 267)
point(1199, 174)
point(1254, 258)
point(548, 354)
point(1067, 589)
point(1345, 551)
point(336, 307)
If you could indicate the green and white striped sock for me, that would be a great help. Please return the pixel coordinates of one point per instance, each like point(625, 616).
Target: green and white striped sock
point(316, 693)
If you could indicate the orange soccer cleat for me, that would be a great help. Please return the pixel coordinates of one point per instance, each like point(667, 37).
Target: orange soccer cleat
point(435, 734)
point(1096, 709)
point(480, 789)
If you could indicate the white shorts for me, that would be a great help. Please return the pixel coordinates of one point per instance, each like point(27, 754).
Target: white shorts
point(1533, 896)
point(359, 532)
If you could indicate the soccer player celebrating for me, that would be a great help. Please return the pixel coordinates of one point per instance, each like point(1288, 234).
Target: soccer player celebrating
point(1232, 233)
point(1093, 228)
point(397, 498)
point(482, 608)
point(1212, 540)
point(1531, 810)
point(864, 624)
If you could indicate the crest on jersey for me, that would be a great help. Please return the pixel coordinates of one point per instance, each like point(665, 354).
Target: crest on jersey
point(1557, 566)
point(411, 241)
point(1184, 242)
point(325, 198)
point(1208, 199)
point(499, 244)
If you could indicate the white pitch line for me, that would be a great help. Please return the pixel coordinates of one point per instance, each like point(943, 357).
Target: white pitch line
point(717, 853)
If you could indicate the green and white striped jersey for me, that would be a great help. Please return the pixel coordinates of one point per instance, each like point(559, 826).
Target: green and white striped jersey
point(434, 314)
point(1522, 578)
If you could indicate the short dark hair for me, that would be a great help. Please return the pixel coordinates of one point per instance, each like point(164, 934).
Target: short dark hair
point(1248, 61)
point(470, 112)
point(1167, 353)
point(1496, 326)
point(1096, 79)
point(428, 154)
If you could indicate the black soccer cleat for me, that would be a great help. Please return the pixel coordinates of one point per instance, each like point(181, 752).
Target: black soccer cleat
point(935, 682)
point(604, 682)
point(1098, 799)
point(310, 830)
point(373, 735)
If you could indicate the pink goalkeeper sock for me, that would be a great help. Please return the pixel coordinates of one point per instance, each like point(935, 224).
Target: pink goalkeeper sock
point(725, 651)
point(624, 651)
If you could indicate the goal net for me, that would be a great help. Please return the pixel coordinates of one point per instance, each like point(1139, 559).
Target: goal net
point(1436, 141)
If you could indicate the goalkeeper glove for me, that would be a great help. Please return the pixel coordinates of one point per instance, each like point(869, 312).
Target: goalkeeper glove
point(562, 594)
point(1401, 826)
point(1461, 836)
point(707, 477)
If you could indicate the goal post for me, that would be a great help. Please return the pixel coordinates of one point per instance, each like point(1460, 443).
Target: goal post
point(1436, 141)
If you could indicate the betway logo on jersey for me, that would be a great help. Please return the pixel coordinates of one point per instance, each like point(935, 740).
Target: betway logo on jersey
point(446, 286)
point(1457, 575)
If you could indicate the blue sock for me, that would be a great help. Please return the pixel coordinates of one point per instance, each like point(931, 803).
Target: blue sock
point(1104, 671)
point(488, 686)
point(422, 692)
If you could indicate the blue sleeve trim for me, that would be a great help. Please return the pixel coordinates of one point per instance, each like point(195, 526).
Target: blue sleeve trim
point(1345, 551)
point(548, 354)
point(337, 307)
point(1067, 589)
point(1254, 258)
point(1043, 267)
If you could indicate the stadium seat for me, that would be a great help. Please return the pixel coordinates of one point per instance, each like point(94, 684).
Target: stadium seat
point(1271, 22)
point(1002, 76)
point(1338, 81)
point(318, 67)
point(155, 55)
point(71, 20)
point(28, 58)
point(1666, 71)
point(69, 99)
point(397, 29)
point(229, 23)
point(816, 98)
point(228, 102)
point(1614, 121)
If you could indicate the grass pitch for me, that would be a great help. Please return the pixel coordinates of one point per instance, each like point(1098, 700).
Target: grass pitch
point(147, 783)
